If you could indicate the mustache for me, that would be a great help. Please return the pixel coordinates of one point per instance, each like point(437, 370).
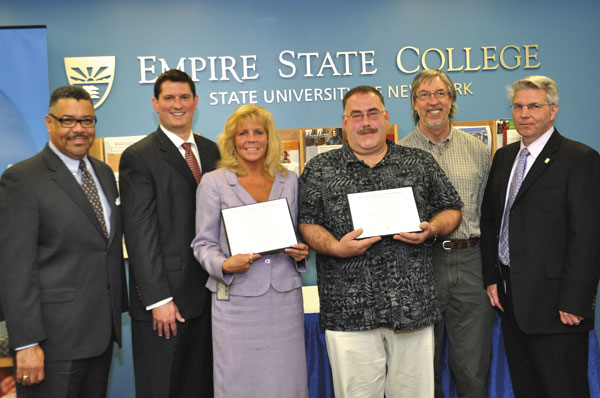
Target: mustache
point(78, 135)
point(367, 130)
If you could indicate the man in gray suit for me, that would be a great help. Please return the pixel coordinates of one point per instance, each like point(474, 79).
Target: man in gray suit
point(170, 306)
point(62, 261)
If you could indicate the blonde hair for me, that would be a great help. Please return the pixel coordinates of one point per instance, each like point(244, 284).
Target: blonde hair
point(225, 140)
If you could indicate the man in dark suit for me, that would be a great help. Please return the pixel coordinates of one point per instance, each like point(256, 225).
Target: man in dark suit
point(62, 263)
point(170, 306)
point(540, 224)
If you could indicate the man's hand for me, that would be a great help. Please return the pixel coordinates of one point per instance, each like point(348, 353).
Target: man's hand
point(322, 241)
point(30, 365)
point(492, 292)
point(8, 385)
point(164, 319)
point(349, 246)
point(414, 238)
point(570, 319)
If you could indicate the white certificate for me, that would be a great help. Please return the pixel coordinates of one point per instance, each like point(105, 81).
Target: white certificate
point(385, 212)
point(259, 228)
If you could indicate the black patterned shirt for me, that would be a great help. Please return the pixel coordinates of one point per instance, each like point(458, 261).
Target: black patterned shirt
point(391, 285)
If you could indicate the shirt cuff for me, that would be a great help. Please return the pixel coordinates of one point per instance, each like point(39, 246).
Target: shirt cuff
point(156, 305)
point(26, 346)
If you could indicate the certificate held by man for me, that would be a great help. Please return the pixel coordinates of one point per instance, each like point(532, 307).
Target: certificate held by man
point(260, 228)
point(384, 212)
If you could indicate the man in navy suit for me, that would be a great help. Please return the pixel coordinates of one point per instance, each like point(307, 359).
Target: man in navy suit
point(540, 224)
point(170, 305)
point(61, 284)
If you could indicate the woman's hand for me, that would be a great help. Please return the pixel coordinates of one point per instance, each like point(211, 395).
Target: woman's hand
point(298, 251)
point(239, 263)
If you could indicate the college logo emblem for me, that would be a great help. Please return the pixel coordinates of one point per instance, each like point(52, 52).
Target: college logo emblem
point(94, 74)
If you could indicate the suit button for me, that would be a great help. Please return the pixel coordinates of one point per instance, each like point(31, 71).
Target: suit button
point(108, 286)
point(268, 261)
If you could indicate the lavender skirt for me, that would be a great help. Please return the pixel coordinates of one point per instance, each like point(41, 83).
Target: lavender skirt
point(258, 346)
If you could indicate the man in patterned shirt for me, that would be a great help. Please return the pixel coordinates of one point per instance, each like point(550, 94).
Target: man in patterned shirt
point(466, 313)
point(378, 301)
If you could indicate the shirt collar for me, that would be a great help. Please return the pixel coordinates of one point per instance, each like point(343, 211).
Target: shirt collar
point(72, 164)
point(536, 146)
point(175, 139)
point(349, 156)
point(426, 140)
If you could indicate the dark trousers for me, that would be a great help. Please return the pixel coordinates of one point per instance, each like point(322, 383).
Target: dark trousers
point(81, 378)
point(543, 365)
point(180, 367)
point(467, 318)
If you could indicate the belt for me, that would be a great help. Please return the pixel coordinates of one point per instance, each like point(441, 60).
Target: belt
point(457, 244)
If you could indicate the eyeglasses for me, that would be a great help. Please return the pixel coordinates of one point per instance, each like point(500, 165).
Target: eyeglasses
point(68, 121)
point(440, 94)
point(534, 107)
point(357, 117)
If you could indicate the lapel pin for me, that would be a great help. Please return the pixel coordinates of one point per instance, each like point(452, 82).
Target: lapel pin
point(547, 160)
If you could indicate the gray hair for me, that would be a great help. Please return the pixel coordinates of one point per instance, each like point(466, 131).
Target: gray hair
point(535, 83)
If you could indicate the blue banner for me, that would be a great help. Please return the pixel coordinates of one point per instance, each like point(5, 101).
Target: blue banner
point(23, 93)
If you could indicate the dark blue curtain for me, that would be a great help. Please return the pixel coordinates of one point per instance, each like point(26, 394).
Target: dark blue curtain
point(499, 384)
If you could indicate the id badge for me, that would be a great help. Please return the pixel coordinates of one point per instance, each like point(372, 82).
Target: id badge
point(222, 292)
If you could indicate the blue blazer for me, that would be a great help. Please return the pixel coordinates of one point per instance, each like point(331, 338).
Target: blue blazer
point(221, 189)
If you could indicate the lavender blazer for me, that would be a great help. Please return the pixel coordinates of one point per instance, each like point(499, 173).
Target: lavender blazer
point(220, 189)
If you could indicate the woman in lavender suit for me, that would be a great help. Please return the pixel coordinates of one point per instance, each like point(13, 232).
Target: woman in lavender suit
point(257, 314)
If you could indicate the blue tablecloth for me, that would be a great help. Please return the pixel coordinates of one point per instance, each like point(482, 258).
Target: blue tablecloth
point(499, 384)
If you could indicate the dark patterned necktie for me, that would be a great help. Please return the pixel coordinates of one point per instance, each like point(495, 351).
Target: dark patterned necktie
point(91, 191)
point(191, 161)
point(515, 184)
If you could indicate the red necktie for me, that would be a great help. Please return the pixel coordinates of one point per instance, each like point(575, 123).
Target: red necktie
point(192, 162)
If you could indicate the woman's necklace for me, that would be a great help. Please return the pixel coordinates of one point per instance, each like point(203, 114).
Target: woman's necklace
point(262, 187)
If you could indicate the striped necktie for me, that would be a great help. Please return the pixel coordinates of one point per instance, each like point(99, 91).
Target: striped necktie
point(191, 161)
point(515, 184)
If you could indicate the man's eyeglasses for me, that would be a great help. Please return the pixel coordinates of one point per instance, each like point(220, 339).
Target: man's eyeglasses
point(68, 121)
point(440, 94)
point(534, 107)
point(357, 117)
